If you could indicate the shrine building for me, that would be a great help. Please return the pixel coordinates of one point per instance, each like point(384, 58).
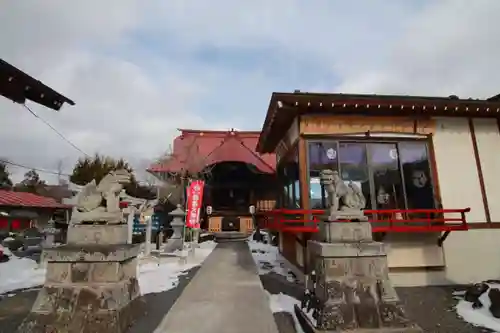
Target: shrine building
point(427, 167)
point(236, 176)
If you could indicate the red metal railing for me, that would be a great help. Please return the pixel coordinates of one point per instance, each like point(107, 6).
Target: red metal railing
point(389, 220)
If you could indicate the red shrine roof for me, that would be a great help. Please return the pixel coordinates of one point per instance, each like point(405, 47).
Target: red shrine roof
point(197, 149)
point(28, 200)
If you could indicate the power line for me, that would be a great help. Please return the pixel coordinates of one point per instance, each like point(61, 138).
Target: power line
point(36, 169)
point(55, 130)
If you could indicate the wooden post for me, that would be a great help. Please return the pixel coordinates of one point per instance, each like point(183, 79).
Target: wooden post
point(304, 195)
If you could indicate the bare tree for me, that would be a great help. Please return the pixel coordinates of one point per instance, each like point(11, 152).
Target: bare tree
point(60, 178)
point(192, 167)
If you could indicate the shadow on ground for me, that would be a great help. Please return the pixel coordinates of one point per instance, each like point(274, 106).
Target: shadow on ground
point(430, 307)
point(13, 309)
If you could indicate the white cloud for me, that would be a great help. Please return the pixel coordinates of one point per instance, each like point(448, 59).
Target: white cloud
point(132, 88)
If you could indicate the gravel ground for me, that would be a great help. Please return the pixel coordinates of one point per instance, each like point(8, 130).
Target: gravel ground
point(14, 309)
point(430, 307)
point(433, 309)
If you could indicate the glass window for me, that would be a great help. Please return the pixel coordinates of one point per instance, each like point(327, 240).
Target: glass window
point(315, 193)
point(296, 191)
point(289, 175)
point(322, 155)
point(391, 175)
point(388, 186)
point(354, 167)
point(285, 197)
point(417, 175)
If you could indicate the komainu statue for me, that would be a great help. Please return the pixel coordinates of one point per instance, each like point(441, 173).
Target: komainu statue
point(101, 202)
point(342, 198)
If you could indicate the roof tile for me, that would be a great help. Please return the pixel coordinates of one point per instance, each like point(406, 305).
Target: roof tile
point(23, 199)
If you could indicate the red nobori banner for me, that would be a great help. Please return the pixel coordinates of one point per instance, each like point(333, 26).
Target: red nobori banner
point(194, 203)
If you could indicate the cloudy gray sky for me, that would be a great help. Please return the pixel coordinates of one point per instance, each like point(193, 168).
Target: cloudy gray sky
point(139, 69)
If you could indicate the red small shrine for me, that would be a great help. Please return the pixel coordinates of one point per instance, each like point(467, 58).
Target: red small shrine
point(236, 176)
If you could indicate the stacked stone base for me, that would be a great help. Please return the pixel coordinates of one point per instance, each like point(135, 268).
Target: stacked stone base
point(89, 288)
point(350, 290)
point(79, 311)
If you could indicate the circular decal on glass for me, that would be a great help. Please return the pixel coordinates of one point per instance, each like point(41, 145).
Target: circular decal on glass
point(393, 153)
point(331, 154)
point(419, 179)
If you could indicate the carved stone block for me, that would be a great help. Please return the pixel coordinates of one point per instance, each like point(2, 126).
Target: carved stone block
point(80, 272)
point(106, 272)
point(91, 253)
point(105, 234)
point(344, 232)
point(58, 272)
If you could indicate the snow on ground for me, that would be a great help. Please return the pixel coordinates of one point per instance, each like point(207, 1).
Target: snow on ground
point(268, 259)
point(20, 273)
point(479, 317)
point(284, 303)
point(154, 277)
point(162, 276)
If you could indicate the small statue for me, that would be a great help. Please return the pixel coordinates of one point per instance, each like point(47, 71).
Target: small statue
point(101, 203)
point(341, 197)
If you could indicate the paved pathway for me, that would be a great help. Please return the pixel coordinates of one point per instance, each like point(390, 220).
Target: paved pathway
point(225, 296)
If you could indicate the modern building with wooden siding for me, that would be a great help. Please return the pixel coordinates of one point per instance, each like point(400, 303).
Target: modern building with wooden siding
point(405, 152)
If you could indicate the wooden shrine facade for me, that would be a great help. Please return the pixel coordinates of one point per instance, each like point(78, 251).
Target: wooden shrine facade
point(406, 154)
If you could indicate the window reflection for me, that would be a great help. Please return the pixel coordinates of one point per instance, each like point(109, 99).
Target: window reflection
point(384, 161)
point(354, 167)
point(296, 190)
point(316, 193)
point(390, 175)
point(416, 175)
point(289, 174)
point(322, 155)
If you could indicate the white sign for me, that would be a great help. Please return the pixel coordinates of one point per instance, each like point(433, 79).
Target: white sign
point(393, 153)
point(331, 153)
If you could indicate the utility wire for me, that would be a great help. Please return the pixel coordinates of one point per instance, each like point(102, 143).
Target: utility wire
point(55, 130)
point(36, 169)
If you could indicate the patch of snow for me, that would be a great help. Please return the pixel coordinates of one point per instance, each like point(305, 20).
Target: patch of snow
point(284, 303)
point(479, 317)
point(162, 276)
point(23, 273)
point(20, 273)
point(268, 259)
point(5, 251)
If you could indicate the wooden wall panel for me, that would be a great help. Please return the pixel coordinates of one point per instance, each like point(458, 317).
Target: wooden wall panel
point(328, 124)
point(291, 136)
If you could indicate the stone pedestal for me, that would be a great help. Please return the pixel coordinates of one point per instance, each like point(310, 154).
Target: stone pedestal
point(91, 284)
point(349, 289)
